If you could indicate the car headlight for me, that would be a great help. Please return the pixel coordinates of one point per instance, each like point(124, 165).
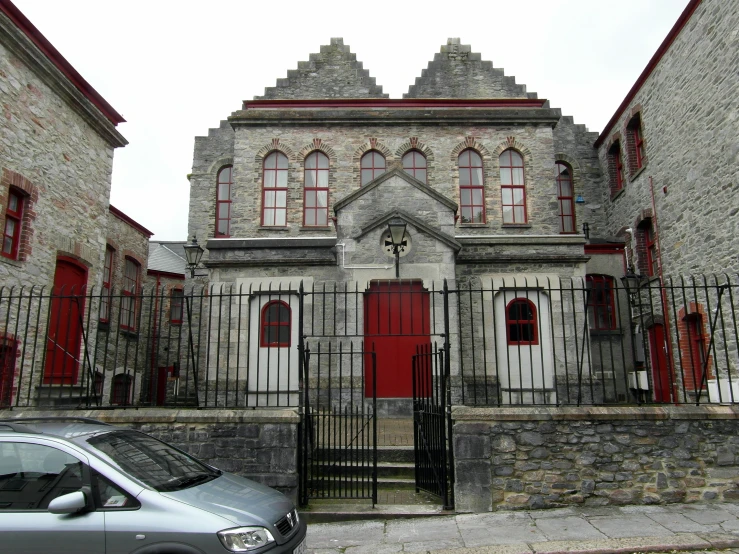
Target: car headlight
point(244, 539)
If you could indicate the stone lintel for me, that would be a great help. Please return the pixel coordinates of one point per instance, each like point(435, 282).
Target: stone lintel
point(593, 413)
point(384, 116)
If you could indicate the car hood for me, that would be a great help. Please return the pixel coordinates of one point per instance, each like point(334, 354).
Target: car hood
point(243, 501)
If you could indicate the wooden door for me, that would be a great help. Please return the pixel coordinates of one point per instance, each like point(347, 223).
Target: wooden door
point(397, 320)
point(64, 335)
point(658, 357)
point(8, 352)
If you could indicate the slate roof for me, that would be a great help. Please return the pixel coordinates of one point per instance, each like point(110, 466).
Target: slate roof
point(167, 256)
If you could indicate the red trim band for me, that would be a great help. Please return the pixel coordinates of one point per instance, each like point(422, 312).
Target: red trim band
point(403, 103)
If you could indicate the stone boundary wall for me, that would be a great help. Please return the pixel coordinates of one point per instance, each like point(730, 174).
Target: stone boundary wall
point(532, 458)
point(259, 444)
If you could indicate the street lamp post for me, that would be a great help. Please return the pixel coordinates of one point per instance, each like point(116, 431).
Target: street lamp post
point(397, 236)
point(193, 254)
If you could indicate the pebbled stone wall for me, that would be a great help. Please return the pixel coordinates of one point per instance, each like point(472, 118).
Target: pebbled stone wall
point(534, 458)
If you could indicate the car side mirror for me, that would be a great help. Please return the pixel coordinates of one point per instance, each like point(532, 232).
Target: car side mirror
point(71, 503)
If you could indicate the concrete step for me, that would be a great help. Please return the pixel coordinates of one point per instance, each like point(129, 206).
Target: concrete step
point(402, 470)
point(327, 511)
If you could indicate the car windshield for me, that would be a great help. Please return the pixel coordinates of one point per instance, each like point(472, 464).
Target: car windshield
point(152, 461)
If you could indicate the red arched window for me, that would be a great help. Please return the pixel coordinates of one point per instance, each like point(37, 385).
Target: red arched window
point(565, 198)
point(521, 324)
point(13, 225)
point(315, 190)
point(512, 187)
point(223, 202)
point(274, 190)
point(415, 163)
point(372, 165)
point(601, 303)
point(131, 279)
point(120, 393)
point(275, 324)
point(471, 187)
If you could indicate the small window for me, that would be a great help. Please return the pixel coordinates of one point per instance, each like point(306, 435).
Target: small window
point(276, 324)
point(130, 292)
point(223, 202)
point(105, 293)
point(616, 167)
point(315, 200)
point(415, 163)
point(601, 306)
point(637, 150)
point(120, 393)
point(372, 166)
point(513, 187)
point(565, 197)
point(521, 324)
point(13, 225)
point(274, 190)
point(471, 187)
point(693, 346)
point(176, 302)
point(647, 243)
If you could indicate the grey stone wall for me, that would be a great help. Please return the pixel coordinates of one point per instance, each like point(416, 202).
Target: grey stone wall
point(689, 124)
point(530, 458)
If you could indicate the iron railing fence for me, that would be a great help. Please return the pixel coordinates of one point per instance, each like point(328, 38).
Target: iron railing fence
point(507, 340)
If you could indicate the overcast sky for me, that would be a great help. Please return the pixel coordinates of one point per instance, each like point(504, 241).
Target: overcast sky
point(173, 69)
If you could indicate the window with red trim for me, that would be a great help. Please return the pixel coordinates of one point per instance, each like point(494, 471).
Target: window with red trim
point(565, 197)
point(315, 190)
point(694, 356)
point(13, 225)
point(372, 166)
point(275, 324)
point(223, 202)
point(616, 167)
point(651, 242)
point(176, 302)
point(107, 284)
point(512, 187)
point(601, 302)
point(637, 143)
point(521, 323)
point(120, 393)
point(415, 163)
point(471, 187)
point(8, 354)
point(274, 190)
point(130, 291)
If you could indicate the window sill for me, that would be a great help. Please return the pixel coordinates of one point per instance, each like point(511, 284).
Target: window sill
point(606, 332)
point(10, 261)
point(316, 228)
point(516, 226)
point(617, 194)
point(104, 326)
point(637, 172)
point(131, 335)
point(273, 228)
point(473, 225)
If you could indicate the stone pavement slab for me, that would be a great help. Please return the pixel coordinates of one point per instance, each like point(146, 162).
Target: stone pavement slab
point(629, 526)
point(568, 528)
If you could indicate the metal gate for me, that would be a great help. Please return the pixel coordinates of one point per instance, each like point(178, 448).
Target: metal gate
point(338, 430)
point(432, 424)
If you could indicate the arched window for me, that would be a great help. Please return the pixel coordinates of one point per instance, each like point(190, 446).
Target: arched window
point(471, 187)
point(315, 199)
point(415, 163)
point(512, 187)
point(521, 324)
point(223, 202)
point(120, 392)
point(13, 225)
point(601, 302)
point(131, 279)
point(274, 190)
point(275, 324)
point(565, 198)
point(176, 301)
point(615, 167)
point(372, 165)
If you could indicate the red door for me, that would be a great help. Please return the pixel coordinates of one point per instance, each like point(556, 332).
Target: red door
point(7, 371)
point(658, 357)
point(65, 323)
point(396, 317)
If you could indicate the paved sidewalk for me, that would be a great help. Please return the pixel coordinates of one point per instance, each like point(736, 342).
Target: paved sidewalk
point(684, 527)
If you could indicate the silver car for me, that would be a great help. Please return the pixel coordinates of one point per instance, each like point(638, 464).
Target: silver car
point(82, 486)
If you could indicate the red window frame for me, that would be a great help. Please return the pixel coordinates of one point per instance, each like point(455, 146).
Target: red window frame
point(13, 225)
point(618, 166)
point(565, 198)
point(315, 190)
point(372, 165)
point(131, 277)
point(120, 392)
point(471, 187)
point(176, 305)
point(8, 355)
point(519, 325)
point(105, 293)
point(224, 183)
point(636, 134)
point(513, 187)
point(415, 164)
point(601, 302)
point(697, 354)
point(650, 239)
point(267, 324)
point(274, 190)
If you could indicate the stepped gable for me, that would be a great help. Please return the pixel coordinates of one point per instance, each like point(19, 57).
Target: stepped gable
point(457, 72)
point(332, 73)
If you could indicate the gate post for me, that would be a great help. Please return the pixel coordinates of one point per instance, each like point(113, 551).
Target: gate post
point(447, 392)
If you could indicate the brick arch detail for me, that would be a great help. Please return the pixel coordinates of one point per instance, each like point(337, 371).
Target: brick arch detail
point(572, 162)
point(371, 144)
point(474, 144)
point(276, 145)
point(414, 144)
point(219, 164)
point(514, 144)
point(316, 145)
